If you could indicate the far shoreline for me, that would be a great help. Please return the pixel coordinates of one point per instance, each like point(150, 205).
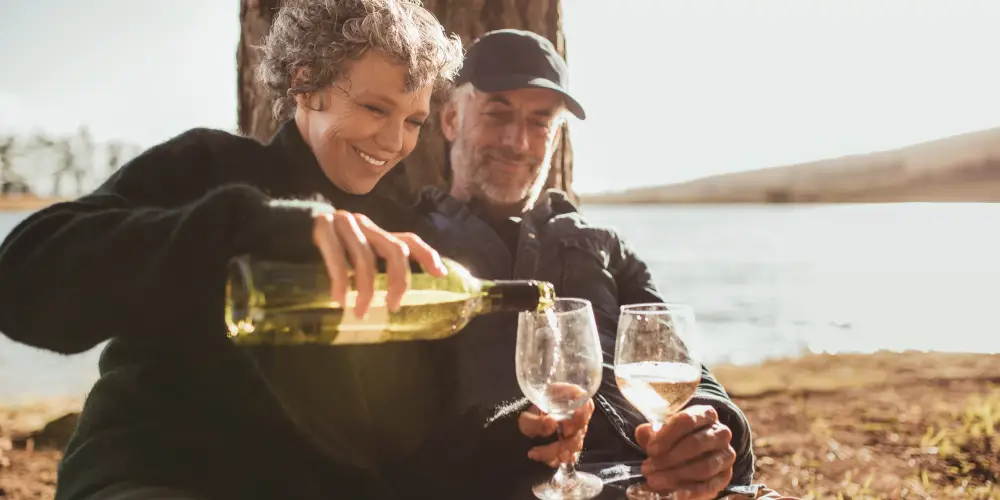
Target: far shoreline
point(27, 203)
point(600, 200)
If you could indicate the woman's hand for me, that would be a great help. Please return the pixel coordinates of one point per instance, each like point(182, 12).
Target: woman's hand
point(352, 241)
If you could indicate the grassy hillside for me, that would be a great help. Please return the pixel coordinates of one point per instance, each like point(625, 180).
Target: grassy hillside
point(959, 168)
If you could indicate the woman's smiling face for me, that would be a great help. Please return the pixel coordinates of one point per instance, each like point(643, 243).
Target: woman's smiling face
point(362, 126)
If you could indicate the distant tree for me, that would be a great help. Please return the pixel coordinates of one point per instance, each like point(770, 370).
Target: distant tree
point(115, 155)
point(84, 159)
point(62, 147)
point(7, 144)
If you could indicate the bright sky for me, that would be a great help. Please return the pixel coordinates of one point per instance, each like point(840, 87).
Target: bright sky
point(674, 89)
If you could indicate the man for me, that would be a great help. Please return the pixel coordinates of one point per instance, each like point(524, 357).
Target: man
point(502, 123)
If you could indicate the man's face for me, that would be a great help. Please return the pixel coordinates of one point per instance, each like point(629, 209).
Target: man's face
point(502, 143)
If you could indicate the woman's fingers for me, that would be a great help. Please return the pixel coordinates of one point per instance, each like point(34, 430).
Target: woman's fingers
point(397, 259)
point(329, 246)
point(362, 259)
point(352, 241)
point(421, 252)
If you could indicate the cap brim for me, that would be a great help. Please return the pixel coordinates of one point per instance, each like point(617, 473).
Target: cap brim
point(501, 83)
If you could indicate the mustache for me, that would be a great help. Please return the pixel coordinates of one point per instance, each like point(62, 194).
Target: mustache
point(509, 155)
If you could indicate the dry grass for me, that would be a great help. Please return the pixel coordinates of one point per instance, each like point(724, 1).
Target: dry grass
point(884, 426)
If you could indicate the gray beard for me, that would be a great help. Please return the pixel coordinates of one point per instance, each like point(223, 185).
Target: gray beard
point(506, 196)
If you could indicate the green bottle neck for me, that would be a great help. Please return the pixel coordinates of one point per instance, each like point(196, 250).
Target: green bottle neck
point(515, 295)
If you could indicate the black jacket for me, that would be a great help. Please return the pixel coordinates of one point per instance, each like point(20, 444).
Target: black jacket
point(141, 261)
point(557, 244)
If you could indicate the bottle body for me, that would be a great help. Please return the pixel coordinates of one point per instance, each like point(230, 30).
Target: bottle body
point(279, 303)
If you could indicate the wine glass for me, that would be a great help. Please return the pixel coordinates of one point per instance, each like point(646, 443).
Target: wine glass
point(558, 364)
point(657, 366)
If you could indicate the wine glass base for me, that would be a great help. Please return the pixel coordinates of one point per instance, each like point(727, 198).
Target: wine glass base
point(642, 492)
point(579, 486)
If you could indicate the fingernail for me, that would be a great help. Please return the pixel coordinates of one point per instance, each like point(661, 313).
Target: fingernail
point(647, 468)
point(654, 482)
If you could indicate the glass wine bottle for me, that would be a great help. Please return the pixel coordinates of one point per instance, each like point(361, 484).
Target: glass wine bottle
point(270, 302)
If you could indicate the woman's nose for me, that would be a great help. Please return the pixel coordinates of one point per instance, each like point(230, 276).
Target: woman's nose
point(390, 137)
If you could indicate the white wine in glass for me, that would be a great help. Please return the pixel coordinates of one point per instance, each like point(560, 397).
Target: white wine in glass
point(657, 365)
point(558, 364)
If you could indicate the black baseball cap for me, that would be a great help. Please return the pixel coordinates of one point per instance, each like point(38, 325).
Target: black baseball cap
point(510, 59)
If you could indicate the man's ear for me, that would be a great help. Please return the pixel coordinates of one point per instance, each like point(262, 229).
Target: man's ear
point(449, 120)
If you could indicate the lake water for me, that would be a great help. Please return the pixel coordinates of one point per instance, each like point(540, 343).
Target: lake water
point(765, 281)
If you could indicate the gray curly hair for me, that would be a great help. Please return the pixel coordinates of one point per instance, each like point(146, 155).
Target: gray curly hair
point(317, 36)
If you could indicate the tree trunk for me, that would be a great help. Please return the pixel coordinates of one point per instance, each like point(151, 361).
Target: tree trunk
point(254, 106)
point(428, 163)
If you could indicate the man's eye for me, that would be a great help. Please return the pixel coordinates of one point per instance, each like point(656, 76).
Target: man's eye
point(417, 123)
point(374, 109)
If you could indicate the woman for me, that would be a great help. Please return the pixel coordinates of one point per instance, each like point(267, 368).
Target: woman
point(179, 411)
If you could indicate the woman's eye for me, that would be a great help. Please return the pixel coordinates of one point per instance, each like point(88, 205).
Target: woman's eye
point(373, 109)
point(416, 123)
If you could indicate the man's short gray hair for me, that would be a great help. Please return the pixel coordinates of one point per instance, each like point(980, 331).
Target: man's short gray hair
point(317, 36)
point(460, 96)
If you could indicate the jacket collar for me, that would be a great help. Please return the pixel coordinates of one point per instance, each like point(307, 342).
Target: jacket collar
point(300, 171)
point(551, 203)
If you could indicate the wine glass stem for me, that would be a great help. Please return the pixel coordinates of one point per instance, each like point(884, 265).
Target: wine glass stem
point(566, 469)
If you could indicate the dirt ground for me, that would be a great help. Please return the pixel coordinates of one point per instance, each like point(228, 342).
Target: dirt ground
point(910, 425)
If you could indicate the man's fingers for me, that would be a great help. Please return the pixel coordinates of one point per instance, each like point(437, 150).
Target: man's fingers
point(581, 417)
point(679, 425)
point(534, 424)
point(699, 469)
point(564, 451)
point(667, 481)
point(643, 434)
point(547, 453)
point(397, 259)
point(421, 252)
point(704, 490)
point(330, 248)
point(362, 258)
point(701, 442)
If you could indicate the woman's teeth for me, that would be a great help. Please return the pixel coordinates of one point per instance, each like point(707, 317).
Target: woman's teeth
point(370, 159)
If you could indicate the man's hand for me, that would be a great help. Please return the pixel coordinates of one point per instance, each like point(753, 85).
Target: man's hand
point(690, 455)
point(534, 423)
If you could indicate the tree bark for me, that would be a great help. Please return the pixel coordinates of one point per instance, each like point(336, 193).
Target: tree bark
point(428, 164)
point(253, 105)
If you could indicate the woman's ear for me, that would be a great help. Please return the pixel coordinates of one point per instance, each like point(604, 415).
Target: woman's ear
point(310, 100)
point(299, 77)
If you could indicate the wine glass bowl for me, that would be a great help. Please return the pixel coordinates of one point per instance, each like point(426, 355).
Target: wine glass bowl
point(558, 364)
point(657, 365)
